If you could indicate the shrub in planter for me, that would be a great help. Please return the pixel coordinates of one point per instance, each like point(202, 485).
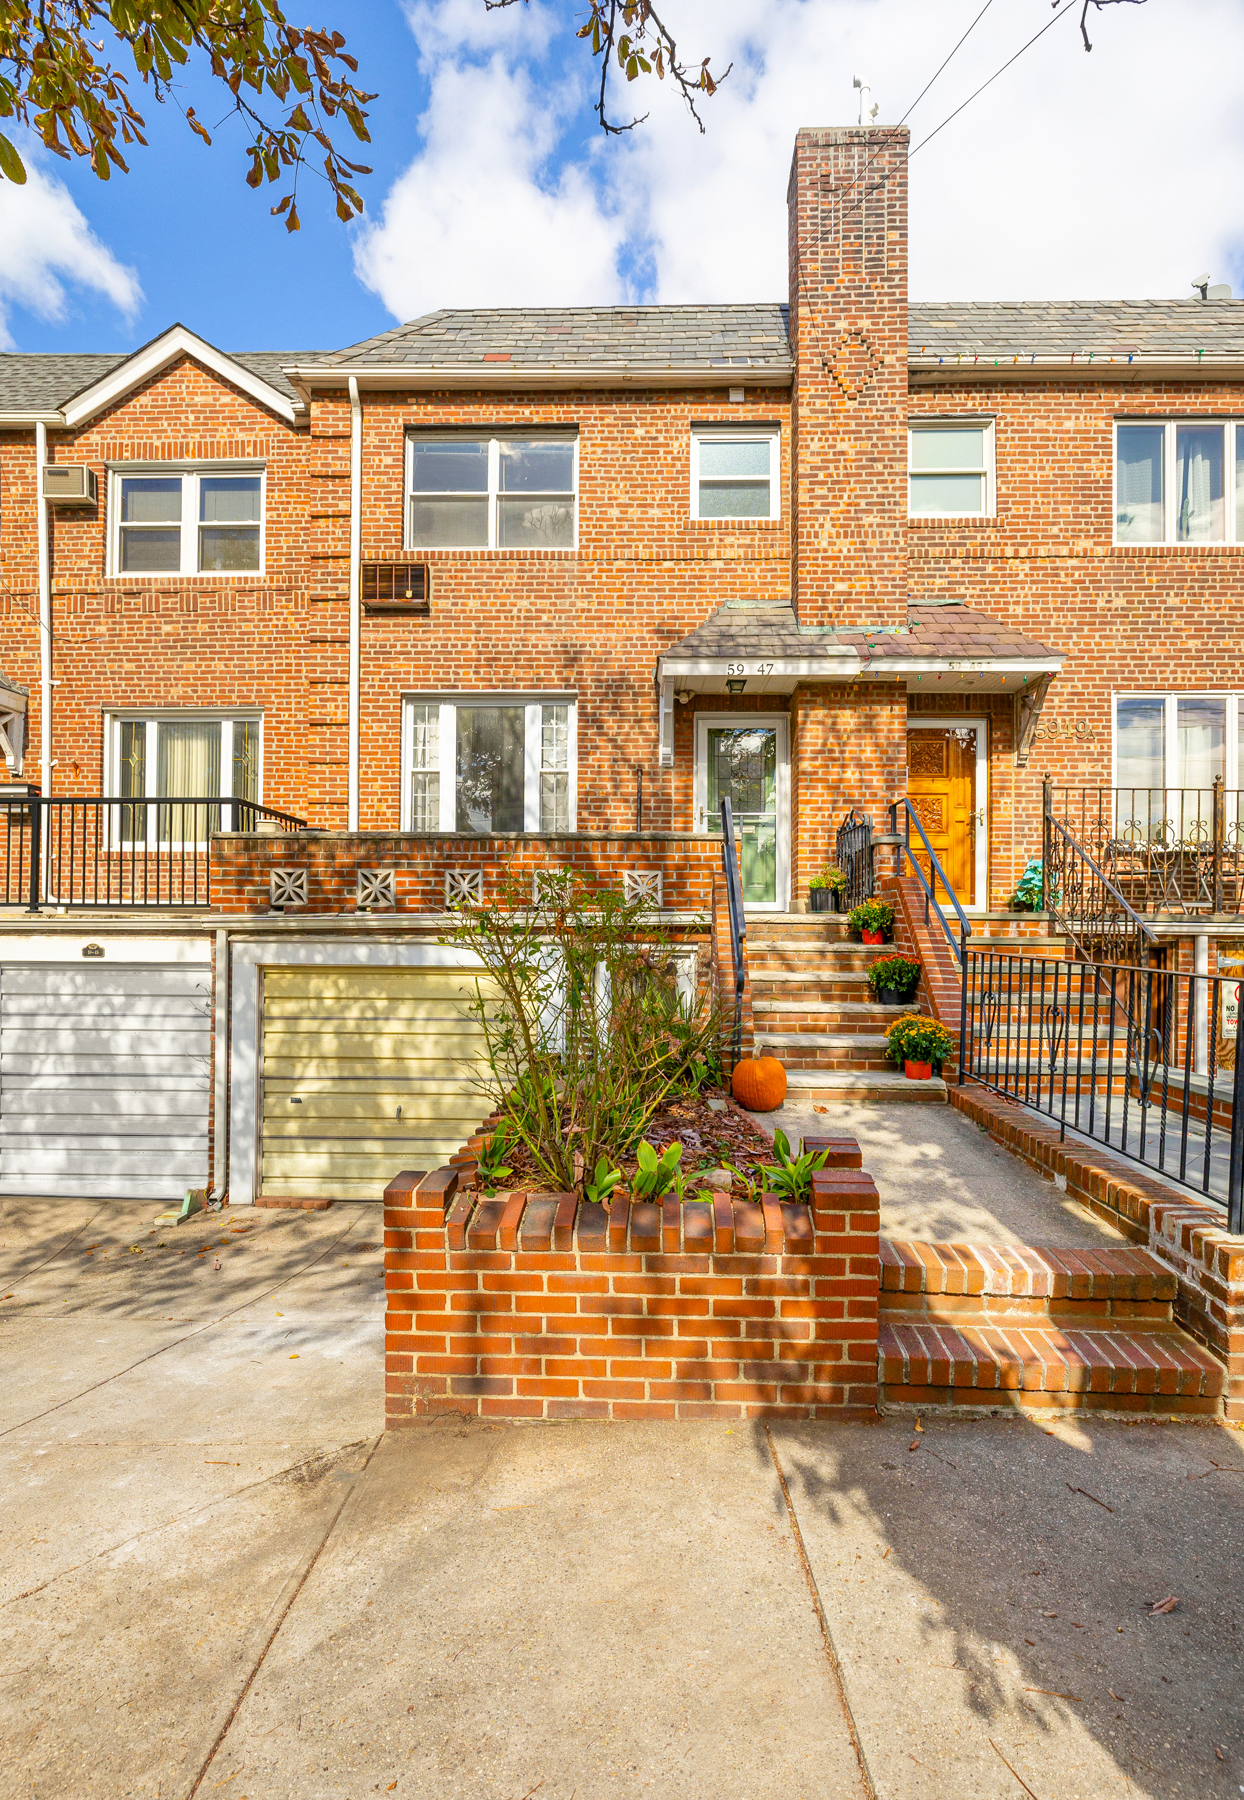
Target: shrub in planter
point(893, 980)
point(826, 889)
point(874, 920)
point(919, 1045)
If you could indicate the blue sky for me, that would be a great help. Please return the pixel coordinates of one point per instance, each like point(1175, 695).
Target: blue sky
point(1102, 176)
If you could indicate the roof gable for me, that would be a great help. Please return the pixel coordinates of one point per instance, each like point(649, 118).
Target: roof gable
point(105, 390)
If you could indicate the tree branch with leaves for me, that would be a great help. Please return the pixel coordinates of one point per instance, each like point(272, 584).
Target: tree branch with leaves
point(632, 35)
point(58, 80)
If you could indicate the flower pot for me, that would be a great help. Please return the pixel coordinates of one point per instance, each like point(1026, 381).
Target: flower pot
point(917, 1071)
point(820, 898)
point(873, 937)
point(893, 996)
point(836, 899)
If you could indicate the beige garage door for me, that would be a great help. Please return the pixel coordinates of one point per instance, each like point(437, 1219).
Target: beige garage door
point(365, 1072)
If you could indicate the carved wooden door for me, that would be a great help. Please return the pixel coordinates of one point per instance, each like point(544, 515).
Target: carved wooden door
point(941, 785)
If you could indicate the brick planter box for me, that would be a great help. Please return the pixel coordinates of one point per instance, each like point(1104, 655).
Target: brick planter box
point(539, 1307)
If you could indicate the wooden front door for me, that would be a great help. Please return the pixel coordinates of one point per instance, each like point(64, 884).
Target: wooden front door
point(941, 785)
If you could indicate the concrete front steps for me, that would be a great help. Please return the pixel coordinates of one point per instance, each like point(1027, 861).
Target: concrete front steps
point(972, 1327)
point(812, 1007)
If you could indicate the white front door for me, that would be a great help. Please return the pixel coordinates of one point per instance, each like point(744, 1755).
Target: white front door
point(746, 759)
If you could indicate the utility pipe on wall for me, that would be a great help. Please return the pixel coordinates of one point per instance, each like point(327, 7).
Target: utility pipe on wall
point(45, 616)
point(356, 551)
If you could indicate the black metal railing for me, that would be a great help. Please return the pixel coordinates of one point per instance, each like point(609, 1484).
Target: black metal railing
point(853, 853)
point(1084, 904)
point(738, 923)
point(94, 852)
point(903, 816)
point(1145, 1061)
point(1166, 850)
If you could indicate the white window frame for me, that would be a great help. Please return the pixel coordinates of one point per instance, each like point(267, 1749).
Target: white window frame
point(958, 422)
point(1231, 428)
point(738, 434)
point(153, 718)
point(532, 705)
point(189, 473)
point(1234, 698)
point(494, 491)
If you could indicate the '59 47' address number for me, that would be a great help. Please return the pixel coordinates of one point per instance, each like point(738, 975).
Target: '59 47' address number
point(738, 668)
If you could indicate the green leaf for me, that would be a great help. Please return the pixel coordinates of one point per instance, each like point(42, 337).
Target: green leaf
point(11, 165)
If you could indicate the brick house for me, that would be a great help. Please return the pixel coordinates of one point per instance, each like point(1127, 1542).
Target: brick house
point(549, 584)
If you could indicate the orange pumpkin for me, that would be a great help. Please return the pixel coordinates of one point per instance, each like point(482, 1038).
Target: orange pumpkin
point(759, 1083)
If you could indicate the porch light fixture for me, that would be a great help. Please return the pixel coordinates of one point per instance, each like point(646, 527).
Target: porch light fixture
point(735, 687)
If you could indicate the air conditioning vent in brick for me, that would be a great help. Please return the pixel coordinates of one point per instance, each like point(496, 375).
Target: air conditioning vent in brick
point(395, 587)
point(69, 484)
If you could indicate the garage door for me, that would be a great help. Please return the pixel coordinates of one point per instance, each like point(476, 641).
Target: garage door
point(104, 1079)
point(366, 1072)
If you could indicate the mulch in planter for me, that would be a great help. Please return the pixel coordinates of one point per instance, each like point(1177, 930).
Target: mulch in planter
point(709, 1139)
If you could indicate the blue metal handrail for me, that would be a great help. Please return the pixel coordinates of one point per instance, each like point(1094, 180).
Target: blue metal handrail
point(738, 923)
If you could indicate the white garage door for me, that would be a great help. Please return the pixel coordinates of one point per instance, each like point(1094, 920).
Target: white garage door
point(366, 1072)
point(104, 1079)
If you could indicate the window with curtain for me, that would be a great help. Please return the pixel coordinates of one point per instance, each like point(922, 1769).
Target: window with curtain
point(1179, 481)
point(495, 765)
point(184, 764)
point(1169, 750)
point(187, 522)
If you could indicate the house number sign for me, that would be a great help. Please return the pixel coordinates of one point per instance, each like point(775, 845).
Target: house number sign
point(760, 668)
point(92, 949)
point(1078, 730)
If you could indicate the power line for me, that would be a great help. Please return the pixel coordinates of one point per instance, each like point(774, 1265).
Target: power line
point(1067, 13)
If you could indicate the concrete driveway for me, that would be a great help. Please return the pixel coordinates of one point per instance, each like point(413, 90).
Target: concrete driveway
point(218, 1578)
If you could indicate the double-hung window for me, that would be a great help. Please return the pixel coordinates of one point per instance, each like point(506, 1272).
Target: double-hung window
point(178, 765)
point(187, 522)
point(487, 765)
point(485, 493)
point(735, 473)
point(950, 469)
point(1179, 481)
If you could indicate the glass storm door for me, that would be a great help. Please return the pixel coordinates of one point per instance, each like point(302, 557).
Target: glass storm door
point(744, 762)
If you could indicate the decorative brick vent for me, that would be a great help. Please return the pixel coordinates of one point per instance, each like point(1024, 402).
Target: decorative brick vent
point(376, 887)
point(287, 888)
point(642, 884)
point(464, 887)
point(538, 1306)
point(543, 882)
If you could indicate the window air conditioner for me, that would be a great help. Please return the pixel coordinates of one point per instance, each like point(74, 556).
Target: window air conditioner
point(69, 484)
point(395, 587)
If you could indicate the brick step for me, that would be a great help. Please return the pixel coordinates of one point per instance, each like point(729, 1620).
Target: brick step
point(1046, 1367)
point(865, 1087)
point(825, 984)
point(822, 1015)
point(1019, 946)
point(953, 1282)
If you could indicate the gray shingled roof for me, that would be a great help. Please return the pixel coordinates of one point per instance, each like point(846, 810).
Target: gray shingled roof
point(652, 337)
point(42, 382)
point(1145, 329)
point(742, 631)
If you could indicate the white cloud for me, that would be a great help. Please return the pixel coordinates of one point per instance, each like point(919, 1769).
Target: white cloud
point(482, 217)
point(1108, 175)
point(45, 243)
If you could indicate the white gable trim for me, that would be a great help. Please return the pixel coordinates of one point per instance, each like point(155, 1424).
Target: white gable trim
point(144, 363)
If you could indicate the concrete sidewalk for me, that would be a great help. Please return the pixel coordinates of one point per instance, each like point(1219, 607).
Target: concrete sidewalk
point(218, 1577)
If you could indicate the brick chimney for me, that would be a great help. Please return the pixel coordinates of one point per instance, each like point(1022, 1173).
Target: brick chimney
point(847, 204)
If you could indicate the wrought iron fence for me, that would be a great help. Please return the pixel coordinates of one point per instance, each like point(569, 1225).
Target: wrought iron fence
point(1086, 906)
point(853, 853)
point(738, 922)
point(120, 853)
point(1167, 850)
point(1145, 1061)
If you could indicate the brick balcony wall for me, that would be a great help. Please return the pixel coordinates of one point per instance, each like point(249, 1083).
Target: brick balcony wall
point(242, 864)
point(539, 1307)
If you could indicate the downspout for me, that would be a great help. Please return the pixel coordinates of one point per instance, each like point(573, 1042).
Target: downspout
point(356, 550)
point(45, 617)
